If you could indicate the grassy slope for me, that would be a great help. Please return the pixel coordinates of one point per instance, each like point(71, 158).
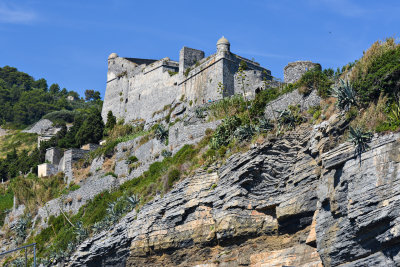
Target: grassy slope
point(18, 140)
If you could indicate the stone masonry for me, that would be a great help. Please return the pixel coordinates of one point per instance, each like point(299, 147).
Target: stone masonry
point(136, 88)
point(294, 70)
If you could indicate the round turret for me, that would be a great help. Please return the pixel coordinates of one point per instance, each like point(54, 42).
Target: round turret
point(223, 45)
point(112, 56)
point(294, 70)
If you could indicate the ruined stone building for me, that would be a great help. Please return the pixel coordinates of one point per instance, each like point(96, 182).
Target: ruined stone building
point(136, 88)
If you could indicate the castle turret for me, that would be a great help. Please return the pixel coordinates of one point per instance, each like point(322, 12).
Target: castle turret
point(112, 56)
point(223, 45)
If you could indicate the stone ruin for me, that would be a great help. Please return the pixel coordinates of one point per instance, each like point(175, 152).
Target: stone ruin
point(294, 70)
point(62, 161)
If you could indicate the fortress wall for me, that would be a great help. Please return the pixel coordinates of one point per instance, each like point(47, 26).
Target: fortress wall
point(119, 71)
point(188, 57)
point(253, 81)
point(202, 82)
point(150, 92)
point(254, 75)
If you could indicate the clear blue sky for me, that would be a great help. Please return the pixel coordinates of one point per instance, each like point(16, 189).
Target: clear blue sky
point(68, 41)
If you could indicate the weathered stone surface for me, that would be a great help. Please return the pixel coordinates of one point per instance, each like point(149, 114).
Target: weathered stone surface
point(294, 98)
point(72, 201)
point(358, 220)
point(268, 191)
point(39, 127)
point(182, 133)
point(3, 132)
point(295, 200)
point(294, 70)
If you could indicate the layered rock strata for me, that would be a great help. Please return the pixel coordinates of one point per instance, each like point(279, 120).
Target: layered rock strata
point(296, 200)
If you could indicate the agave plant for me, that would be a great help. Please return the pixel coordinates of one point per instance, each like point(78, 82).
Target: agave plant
point(18, 262)
point(21, 227)
point(224, 132)
point(360, 139)
point(394, 114)
point(245, 132)
point(165, 153)
point(132, 201)
point(286, 118)
point(345, 94)
point(98, 226)
point(70, 247)
point(199, 112)
point(265, 125)
point(80, 231)
point(161, 133)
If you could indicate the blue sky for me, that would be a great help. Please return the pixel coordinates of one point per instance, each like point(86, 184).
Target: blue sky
point(68, 42)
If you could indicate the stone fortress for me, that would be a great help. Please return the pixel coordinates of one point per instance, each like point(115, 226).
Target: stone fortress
point(139, 88)
point(136, 88)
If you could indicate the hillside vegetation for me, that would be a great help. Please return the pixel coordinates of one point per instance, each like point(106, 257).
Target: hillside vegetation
point(24, 100)
point(365, 93)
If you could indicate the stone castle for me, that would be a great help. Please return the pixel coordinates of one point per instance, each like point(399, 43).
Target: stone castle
point(136, 88)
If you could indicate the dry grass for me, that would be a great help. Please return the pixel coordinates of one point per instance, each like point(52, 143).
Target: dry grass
point(328, 106)
point(17, 140)
point(376, 50)
point(108, 164)
point(34, 192)
point(371, 117)
point(80, 174)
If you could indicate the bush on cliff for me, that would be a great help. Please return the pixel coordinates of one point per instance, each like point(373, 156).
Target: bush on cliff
point(378, 71)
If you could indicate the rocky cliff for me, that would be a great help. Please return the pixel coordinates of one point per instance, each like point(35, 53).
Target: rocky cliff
point(295, 200)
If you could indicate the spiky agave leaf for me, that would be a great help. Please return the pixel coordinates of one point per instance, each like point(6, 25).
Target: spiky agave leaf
point(245, 132)
point(394, 114)
point(286, 118)
point(132, 201)
point(265, 125)
point(360, 139)
point(80, 231)
point(345, 94)
point(161, 133)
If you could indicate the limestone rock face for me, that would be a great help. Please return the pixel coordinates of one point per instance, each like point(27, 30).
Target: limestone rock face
point(295, 200)
point(359, 213)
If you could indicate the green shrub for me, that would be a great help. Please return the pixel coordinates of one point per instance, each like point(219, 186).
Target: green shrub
point(6, 203)
point(172, 73)
point(173, 175)
point(186, 73)
point(186, 153)
point(315, 111)
point(132, 159)
point(378, 71)
point(222, 151)
point(112, 174)
point(258, 105)
point(314, 79)
point(210, 154)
